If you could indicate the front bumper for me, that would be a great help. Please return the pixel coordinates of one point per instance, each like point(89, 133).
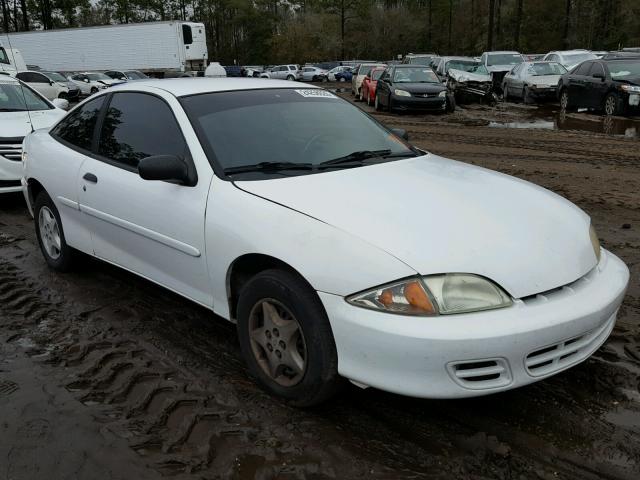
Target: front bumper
point(544, 92)
point(419, 103)
point(480, 353)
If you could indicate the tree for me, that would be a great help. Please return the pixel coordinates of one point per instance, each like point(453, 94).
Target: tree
point(492, 13)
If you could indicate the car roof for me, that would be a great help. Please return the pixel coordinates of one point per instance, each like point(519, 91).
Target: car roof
point(494, 52)
point(575, 50)
point(181, 87)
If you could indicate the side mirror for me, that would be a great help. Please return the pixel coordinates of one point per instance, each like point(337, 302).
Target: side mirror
point(599, 75)
point(51, 82)
point(61, 103)
point(400, 132)
point(165, 167)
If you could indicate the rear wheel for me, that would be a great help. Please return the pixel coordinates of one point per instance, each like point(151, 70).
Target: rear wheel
point(613, 104)
point(526, 95)
point(565, 101)
point(50, 234)
point(94, 90)
point(286, 339)
point(290, 77)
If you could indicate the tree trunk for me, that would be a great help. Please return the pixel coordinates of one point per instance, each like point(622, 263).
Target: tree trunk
point(567, 23)
point(430, 24)
point(25, 15)
point(499, 42)
point(342, 22)
point(492, 12)
point(5, 16)
point(450, 22)
point(516, 33)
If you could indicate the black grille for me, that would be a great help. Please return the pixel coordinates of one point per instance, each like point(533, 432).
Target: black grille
point(9, 183)
point(11, 148)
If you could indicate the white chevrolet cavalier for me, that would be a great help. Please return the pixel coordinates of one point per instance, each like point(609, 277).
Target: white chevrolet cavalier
point(340, 250)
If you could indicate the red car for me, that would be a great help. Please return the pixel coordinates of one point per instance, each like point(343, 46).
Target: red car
point(368, 89)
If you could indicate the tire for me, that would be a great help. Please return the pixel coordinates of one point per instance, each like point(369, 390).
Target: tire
point(505, 92)
point(342, 79)
point(94, 90)
point(565, 101)
point(613, 104)
point(376, 103)
point(526, 96)
point(50, 234)
point(451, 104)
point(390, 105)
point(288, 298)
point(290, 77)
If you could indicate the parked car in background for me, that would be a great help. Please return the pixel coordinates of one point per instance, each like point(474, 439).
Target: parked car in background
point(22, 110)
point(345, 75)
point(612, 86)
point(499, 63)
point(331, 74)
point(314, 74)
point(50, 84)
point(125, 75)
point(92, 82)
point(369, 84)
point(410, 87)
point(470, 82)
point(569, 58)
point(360, 72)
point(442, 65)
point(233, 70)
point(533, 81)
point(284, 72)
point(420, 58)
point(358, 256)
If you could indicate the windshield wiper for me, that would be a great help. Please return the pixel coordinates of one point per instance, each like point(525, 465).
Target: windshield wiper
point(269, 167)
point(360, 157)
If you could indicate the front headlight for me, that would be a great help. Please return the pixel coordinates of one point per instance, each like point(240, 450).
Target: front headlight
point(434, 294)
point(443, 93)
point(595, 242)
point(401, 93)
point(630, 88)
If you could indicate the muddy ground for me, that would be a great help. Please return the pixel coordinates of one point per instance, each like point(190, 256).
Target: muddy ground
point(106, 376)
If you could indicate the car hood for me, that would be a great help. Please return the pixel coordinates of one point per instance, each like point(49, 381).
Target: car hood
point(500, 68)
point(18, 124)
point(550, 80)
point(420, 87)
point(462, 76)
point(630, 80)
point(438, 215)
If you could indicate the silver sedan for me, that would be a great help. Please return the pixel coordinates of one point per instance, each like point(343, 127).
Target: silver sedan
point(533, 81)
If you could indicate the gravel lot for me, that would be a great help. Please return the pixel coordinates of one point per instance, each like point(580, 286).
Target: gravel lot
point(106, 376)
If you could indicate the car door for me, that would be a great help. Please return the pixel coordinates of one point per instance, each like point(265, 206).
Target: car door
point(153, 228)
point(597, 85)
point(80, 82)
point(43, 85)
point(578, 84)
point(383, 90)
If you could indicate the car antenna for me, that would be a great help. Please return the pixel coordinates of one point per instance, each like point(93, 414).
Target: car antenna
point(24, 97)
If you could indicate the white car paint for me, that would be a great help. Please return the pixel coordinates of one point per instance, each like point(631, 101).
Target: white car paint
point(423, 215)
point(359, 74)
point(92, 82)
point(14, 126)
point(43, 84)
point(569, 58)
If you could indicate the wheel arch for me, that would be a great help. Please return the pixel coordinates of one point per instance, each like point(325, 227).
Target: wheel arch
point(247, 266)
point(34, 187)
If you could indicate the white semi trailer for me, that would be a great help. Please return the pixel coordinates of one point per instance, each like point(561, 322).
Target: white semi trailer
point(156, 48)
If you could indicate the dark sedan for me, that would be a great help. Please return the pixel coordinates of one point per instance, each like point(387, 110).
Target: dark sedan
point(610, 85)
point(410, 87)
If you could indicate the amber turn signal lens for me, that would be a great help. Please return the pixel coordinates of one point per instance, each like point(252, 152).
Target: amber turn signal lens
point(417, 297)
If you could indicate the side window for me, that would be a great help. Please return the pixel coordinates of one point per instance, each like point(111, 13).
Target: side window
point(78, 127)
point(22, 76)
point(127, 135)
point(583, 68)
point(39, 78)
point(187, 35)
point(596, 68)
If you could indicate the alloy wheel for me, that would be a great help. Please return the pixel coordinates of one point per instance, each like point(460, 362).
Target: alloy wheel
point(564, 100)
point(610, 105)
point(277, 342)
point(49, 233)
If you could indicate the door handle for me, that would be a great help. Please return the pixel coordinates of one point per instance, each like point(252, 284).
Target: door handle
point(90, 177)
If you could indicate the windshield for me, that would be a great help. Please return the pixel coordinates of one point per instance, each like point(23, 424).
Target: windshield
point(620, 70)
point(466, 66)
point(376, 74)
point(13, 96)
point(504, 59)
point(303, 126)
point(415, 75)
point(425, 60)
point(98, 76)
point(3, 56)
point(135, 74)
point(539, 69)
point(573, 58)
point(55, 76)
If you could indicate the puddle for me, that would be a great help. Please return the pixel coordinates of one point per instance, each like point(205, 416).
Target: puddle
point(625, 127)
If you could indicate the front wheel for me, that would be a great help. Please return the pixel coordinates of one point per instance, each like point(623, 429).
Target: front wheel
point(565, 103)
point(526, 96)
point(286, 339)
point(50, 234)
point(376, 103)
point(94, 90)
point(613, 104)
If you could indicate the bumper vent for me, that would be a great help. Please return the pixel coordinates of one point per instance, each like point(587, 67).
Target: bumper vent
point(10, 183)
point(11, 148)
point(561, 355)
point(481, 374)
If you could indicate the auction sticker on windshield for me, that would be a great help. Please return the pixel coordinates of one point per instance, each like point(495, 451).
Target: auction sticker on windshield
point(315, 93)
